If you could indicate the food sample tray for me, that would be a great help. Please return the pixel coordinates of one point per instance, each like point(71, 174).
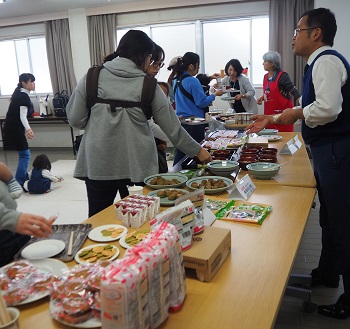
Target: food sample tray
point(62, 232)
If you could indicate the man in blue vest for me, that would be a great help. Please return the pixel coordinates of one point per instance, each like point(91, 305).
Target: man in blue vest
point(325, 112)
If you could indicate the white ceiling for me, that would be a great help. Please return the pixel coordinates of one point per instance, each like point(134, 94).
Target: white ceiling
point(15, 8)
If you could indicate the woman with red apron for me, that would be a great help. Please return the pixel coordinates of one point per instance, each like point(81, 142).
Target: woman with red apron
point(278, 89)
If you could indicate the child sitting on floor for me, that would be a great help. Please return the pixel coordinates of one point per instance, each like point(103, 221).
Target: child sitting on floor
point(40, 177)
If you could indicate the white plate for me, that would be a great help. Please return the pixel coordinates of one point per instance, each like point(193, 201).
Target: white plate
point(91, 323)
point(123, 243)
point(195, 119)
point(227, 98)
point(227, 181)
point(43, 249)
point(79, 261)
point(273, 138)
point(53, 266)
point(268, 132)
point(165, 201)
point(96, 233)
point(46, 265)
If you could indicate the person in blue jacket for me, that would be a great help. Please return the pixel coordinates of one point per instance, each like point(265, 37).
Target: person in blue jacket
point(190, 99)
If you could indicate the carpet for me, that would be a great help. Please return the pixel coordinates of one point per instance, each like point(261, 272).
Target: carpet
point(67, 198)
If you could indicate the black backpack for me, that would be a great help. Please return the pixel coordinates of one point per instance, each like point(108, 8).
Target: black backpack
point(59, 102)
point(147, 94)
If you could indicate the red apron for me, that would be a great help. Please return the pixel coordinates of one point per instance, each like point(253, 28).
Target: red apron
point(275, 103)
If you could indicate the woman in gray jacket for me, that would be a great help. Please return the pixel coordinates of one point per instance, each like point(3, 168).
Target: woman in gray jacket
point(118, 147)
point(244, 98)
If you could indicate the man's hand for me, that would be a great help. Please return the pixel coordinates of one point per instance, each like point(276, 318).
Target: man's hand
point(289, 116)
point(261, 121)
point(35, 225)
point(204, 156)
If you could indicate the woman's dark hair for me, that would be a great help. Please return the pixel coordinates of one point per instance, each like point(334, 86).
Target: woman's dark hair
point(165, 85)
point(24, 77)
point(236, 64)
point(158, 54)
point(42, 162)
point(134, 45)
point(187, 59)
point(203, 79)
point(325, 20)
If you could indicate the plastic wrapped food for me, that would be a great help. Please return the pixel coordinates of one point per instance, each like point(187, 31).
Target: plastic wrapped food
point(240, 211)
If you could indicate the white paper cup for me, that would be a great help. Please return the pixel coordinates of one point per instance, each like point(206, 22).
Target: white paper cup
point(135, 189)
point(13, 324)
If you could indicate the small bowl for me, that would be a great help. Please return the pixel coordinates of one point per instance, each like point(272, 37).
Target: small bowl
point(222, 168)
point(263, 170)
point(221, 153)
point(218, 158)
point(14, 314)
point(267, 158)
point(244, 162)
point(270, 150)
point(249, 151)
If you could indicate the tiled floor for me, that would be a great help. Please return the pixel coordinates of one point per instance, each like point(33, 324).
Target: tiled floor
point(291, 315)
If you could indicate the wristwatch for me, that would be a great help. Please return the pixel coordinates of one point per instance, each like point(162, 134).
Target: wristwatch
point(275, 117)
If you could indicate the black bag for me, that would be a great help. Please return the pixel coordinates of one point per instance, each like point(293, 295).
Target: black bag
point(60, 101)
point(77, 142)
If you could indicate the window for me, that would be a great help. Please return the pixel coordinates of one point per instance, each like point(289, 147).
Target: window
point(215, 41)
point(21, 56)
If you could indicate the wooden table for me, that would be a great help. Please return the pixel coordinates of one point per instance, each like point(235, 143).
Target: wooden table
point(297, 171)
point(247, 290)
point(42, 120)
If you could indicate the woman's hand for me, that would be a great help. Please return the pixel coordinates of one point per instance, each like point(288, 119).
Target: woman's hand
point(204, 156)
point(30, 133)
point(260, 100)
point(34, 225)
point(261, 121)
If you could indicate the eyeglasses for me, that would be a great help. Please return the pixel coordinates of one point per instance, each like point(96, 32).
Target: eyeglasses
point(296, 31)
point(157, 65)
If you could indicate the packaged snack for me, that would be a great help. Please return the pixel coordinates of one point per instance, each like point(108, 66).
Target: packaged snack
point(240, 211)
point(124, 288)
point(197, 199)
point(156, 260)
point(168, 232)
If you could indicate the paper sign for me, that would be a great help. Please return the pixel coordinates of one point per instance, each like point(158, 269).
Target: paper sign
point(291, 146)
point(243, 189)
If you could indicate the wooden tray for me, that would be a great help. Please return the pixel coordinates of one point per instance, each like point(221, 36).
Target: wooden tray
point(62, 232)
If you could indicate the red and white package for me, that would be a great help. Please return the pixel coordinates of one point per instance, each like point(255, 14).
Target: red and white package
point(158, 282)
point(168, 233)
point(124, 287)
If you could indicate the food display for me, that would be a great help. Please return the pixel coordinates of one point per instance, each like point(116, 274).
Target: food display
point(107, 233)
point(76, 300)
point(93, 253)
point(159, 180)
point(208, 184)
point(168, 180)
point(170, 194)
point(22, 282)
point(133, 238)
point(211, 184)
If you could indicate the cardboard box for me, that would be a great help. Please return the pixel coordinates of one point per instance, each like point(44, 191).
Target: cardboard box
point(258, 141)
point(208, 252)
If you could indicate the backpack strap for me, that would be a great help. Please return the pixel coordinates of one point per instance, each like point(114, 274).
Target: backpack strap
point(92, 86)
point(147, 95)
point(182, 89)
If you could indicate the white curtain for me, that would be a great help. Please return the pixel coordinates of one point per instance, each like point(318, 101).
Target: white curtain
point(102, 36)
point(283, 17)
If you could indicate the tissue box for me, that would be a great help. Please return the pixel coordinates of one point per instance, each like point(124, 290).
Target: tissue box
point(208, 252)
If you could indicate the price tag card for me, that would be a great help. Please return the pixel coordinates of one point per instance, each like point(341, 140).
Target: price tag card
point(243, 189)
point(291, 146)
